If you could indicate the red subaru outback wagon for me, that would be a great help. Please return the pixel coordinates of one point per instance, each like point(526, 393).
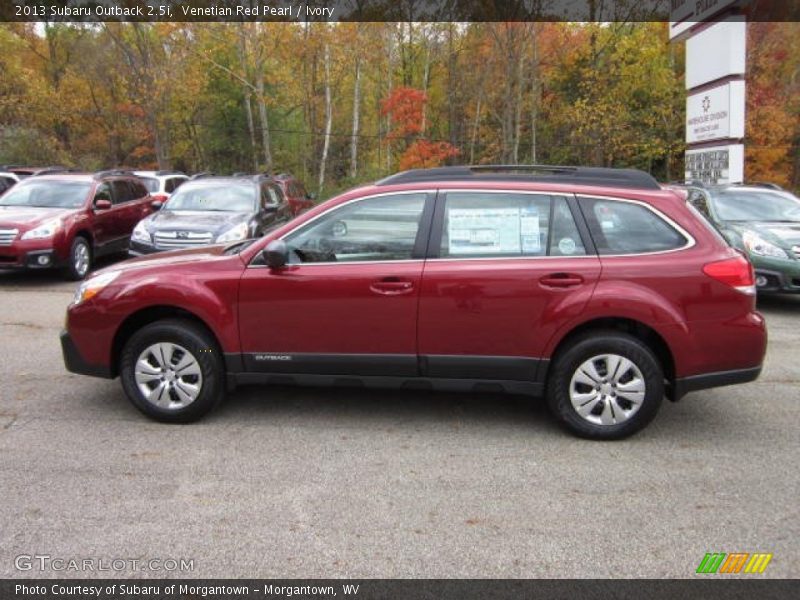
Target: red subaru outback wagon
point(595, 288)
point(67, 220)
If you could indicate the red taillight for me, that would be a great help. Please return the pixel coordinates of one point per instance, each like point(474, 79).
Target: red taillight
point(736, 272)
point(159, 197)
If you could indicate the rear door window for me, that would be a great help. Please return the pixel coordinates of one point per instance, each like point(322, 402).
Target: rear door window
point(622, 227)
point(122, 193)
point(507, 224)
point(137, 189)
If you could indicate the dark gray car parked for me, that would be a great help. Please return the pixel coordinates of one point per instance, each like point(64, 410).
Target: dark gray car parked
point(212, 210)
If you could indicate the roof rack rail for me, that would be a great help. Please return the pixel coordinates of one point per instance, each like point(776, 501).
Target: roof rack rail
point(112, 172)
point(628, 178)
point(203, 174)
point(765, 184)
point(54, 170)
point(169, 172)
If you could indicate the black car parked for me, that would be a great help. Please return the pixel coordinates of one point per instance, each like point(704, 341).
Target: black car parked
point(212, 210)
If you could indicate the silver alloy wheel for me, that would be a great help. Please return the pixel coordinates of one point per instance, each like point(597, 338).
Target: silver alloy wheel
point(80, 259)
point(168, 376)
point(607, 389)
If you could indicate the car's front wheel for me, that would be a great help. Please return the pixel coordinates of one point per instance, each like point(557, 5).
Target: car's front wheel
point(80, 259)
point(605, 385)
point(172, 371)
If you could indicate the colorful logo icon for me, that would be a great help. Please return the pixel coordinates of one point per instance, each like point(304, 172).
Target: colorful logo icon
point(736, 562)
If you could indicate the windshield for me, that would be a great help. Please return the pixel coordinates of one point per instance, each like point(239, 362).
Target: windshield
point(738, 205)
point(51, 194)
point(150, 183)
point(221, 196)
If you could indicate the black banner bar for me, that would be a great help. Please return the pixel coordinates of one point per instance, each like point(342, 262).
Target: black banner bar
point(715, 586)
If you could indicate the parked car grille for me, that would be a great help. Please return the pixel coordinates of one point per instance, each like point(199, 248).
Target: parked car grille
point(7, 236)
point(167, 240)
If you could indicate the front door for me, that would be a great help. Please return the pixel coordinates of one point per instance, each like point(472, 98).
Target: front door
point(506, 270)
point(347, 302)
point(106, 223)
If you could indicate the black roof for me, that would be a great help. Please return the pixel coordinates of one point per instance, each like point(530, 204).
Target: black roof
point(627, 178)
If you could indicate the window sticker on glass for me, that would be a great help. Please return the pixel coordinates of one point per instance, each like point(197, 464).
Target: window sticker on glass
point(529, 229)
point(485, 230)
point(567, 246)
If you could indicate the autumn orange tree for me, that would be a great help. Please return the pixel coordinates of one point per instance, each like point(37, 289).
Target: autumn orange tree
point(405, 108)
point(773, 108)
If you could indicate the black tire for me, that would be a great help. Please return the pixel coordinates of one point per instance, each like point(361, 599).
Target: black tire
point(72, 270)
point(578, 353)
point(200, 345)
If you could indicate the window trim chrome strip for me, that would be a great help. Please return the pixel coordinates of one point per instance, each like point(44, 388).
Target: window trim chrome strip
point(691, 242)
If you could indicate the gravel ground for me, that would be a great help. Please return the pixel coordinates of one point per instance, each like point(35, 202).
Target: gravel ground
point(287, 482)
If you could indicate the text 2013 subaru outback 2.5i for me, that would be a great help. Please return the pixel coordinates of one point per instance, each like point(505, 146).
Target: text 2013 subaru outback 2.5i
point(593, 287)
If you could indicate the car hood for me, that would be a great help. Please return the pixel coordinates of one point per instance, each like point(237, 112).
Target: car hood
point(171, 259)
point(785, 235)
point(212, 221)
point(29, 216)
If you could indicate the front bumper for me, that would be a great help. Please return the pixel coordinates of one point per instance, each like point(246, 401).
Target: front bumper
point(75, 363)
point(18, 256)
point(139, 249)
point(776, 275)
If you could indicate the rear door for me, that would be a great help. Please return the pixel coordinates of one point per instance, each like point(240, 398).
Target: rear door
point(127, 211)
point(505, 269)
point(141, 203)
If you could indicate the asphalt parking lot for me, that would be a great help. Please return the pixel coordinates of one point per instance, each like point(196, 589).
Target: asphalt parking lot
point(285, 482)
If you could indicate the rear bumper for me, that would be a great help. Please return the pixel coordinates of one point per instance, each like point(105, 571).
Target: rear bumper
point(75, 363)
point(684, 385)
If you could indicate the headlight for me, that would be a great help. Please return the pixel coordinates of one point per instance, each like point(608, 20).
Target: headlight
point(140, 233)
point(45, 230)
point(91, 287)
point(234, 234)
point(761, 247)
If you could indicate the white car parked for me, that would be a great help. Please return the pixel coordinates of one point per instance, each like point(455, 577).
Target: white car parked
point(161, 184)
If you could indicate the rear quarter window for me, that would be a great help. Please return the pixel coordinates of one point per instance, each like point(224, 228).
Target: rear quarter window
point(621, 227)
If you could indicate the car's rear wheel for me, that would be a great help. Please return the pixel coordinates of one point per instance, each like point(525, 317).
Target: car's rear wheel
point(80, 259)
point(172, 371)
point(605, 385)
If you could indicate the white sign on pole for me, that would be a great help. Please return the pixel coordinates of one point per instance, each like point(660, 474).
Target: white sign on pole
point(686, 14)
point(716, 164)
point(716, 113)
point(716, 52)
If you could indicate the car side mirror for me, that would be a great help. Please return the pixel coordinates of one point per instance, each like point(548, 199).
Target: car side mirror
point(276, 254)
point(156, 204)
point(102, 204)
